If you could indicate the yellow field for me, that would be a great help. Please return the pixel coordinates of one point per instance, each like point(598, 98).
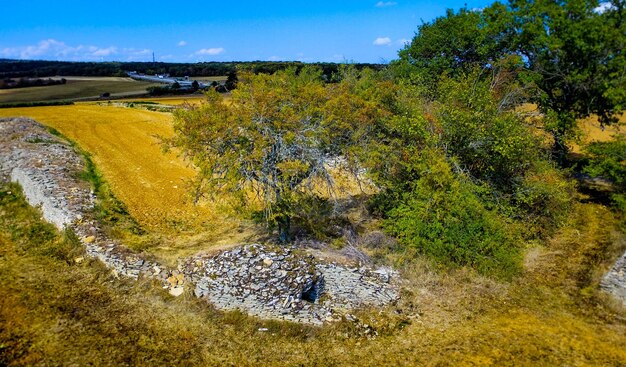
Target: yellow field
point(172, 101)
point(126, 150)
point(589, 129)
point(592, 132)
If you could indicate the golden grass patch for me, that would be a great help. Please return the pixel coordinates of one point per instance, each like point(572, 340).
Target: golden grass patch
point(593, 132)
point(125, 147)
point(172, 101)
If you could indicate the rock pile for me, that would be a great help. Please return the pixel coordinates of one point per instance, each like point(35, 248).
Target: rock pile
point(266, 281)
point(285, 283)
point(48, 169)
point(614, 282)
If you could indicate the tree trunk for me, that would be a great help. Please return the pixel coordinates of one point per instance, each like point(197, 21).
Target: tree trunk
point(284, 224)
point(559, 150)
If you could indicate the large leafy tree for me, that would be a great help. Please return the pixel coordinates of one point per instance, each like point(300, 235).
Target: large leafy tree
point(275, 135)
point(575, 54)
point(571, 52)
point(456, 43)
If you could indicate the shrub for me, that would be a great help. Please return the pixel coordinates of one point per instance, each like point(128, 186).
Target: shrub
point(443, 218)
point(608, 160)
point(542, 199)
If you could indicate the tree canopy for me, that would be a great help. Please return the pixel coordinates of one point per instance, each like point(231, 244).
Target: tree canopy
point(275, 136)
point(571, 54)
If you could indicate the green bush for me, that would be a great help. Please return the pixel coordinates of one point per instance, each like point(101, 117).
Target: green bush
point(542, 199)
point(443, 218)
point(608, 160)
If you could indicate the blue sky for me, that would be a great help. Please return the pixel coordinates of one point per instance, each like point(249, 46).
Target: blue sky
point(192, 31)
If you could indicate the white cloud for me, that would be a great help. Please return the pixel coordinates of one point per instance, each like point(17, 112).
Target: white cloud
point(54, 49)
point(604, 6)
point(384, 4)
point(382, 41)
point(133, 54)
point(210, 51)
point(274, 58)
point(101, 52)
point(182, 43)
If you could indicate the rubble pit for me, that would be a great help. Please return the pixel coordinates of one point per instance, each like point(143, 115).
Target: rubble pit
point(263, 280)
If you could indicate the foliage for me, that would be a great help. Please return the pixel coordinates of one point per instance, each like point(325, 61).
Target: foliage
point(499, 184)
point(542, 199)
point(572, 59)
point(174, 89)
point(43, 68)
point(442, 217)
point(492, 143)
point(608, 160)
point(275, 136)
point(36, 104)
point(576, 61)
point(454, 43)
point(9, 83)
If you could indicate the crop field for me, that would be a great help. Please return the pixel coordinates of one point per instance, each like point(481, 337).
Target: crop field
point(209, 78)
point(172, 101)
point(76, 88)
point(125, 147)
point(589, 129)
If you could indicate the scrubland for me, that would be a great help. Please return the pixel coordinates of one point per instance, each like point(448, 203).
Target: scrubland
point(55, 310)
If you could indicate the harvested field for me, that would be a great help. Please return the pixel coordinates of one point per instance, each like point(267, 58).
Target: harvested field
point(592, 132)
point(76, 88)
point(125, 148)
point(172, 101)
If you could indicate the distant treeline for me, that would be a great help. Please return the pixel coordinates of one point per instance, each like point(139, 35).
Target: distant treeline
point(24, 82)
point(40, 68)
point(36, 104)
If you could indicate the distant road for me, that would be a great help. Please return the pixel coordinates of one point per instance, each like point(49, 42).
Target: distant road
point(165, 80)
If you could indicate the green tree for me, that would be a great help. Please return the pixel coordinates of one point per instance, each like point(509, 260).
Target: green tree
point(443, 218)
point(575, 56)
point(454, 44)
point(608, 160)
point(231, 81)
point(572, 56)
point(274, 138)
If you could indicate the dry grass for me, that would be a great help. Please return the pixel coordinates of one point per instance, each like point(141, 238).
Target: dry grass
point(152, 185)
point(76, 88)
point(553, 314)
point(591, 131)
point(54, 311)
point(171, 101)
